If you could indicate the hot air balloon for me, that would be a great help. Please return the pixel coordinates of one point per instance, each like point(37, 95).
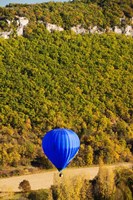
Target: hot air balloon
point(60, 146)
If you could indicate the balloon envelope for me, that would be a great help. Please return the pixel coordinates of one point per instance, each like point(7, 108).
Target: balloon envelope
point(60, 146)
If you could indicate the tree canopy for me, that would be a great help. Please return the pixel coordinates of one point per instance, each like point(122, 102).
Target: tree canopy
point(60, 79)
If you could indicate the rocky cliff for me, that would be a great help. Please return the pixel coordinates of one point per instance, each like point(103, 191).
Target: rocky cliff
point(22, 22)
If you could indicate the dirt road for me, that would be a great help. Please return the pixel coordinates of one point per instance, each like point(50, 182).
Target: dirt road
point(45, 179)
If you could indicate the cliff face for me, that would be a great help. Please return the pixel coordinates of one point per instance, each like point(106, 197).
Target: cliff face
point(22, 22)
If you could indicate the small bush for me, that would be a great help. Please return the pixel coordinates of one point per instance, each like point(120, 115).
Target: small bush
point(25, 186)
point(38, 195)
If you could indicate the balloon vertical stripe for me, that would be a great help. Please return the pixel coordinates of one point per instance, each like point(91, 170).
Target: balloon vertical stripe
point(60, 146)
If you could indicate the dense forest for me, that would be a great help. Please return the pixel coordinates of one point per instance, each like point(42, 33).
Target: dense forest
point(60, 79)
point(88, 13)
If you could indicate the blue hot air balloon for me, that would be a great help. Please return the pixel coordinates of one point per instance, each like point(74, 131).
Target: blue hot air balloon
point(60, 146)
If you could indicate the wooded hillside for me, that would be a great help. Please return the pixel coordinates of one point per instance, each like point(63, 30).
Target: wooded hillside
point(101, 13)
point(60, 79)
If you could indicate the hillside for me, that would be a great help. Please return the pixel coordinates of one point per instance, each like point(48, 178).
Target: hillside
point(60, 79)
point(105, 15)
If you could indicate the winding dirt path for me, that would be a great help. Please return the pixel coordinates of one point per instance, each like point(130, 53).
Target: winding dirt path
point(45, 179)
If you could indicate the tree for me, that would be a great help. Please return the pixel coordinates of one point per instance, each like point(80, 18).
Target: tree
point(104, 187)
point(71, 188)
point(124, 184)
point(25, 186)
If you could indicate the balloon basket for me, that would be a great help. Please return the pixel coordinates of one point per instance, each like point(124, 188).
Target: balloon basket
point(60, 174)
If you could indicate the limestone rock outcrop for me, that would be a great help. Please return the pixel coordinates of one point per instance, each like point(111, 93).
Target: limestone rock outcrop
point(22, 22)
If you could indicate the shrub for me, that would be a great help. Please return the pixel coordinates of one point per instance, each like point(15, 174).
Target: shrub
point(24, 186)
point(38, 195)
